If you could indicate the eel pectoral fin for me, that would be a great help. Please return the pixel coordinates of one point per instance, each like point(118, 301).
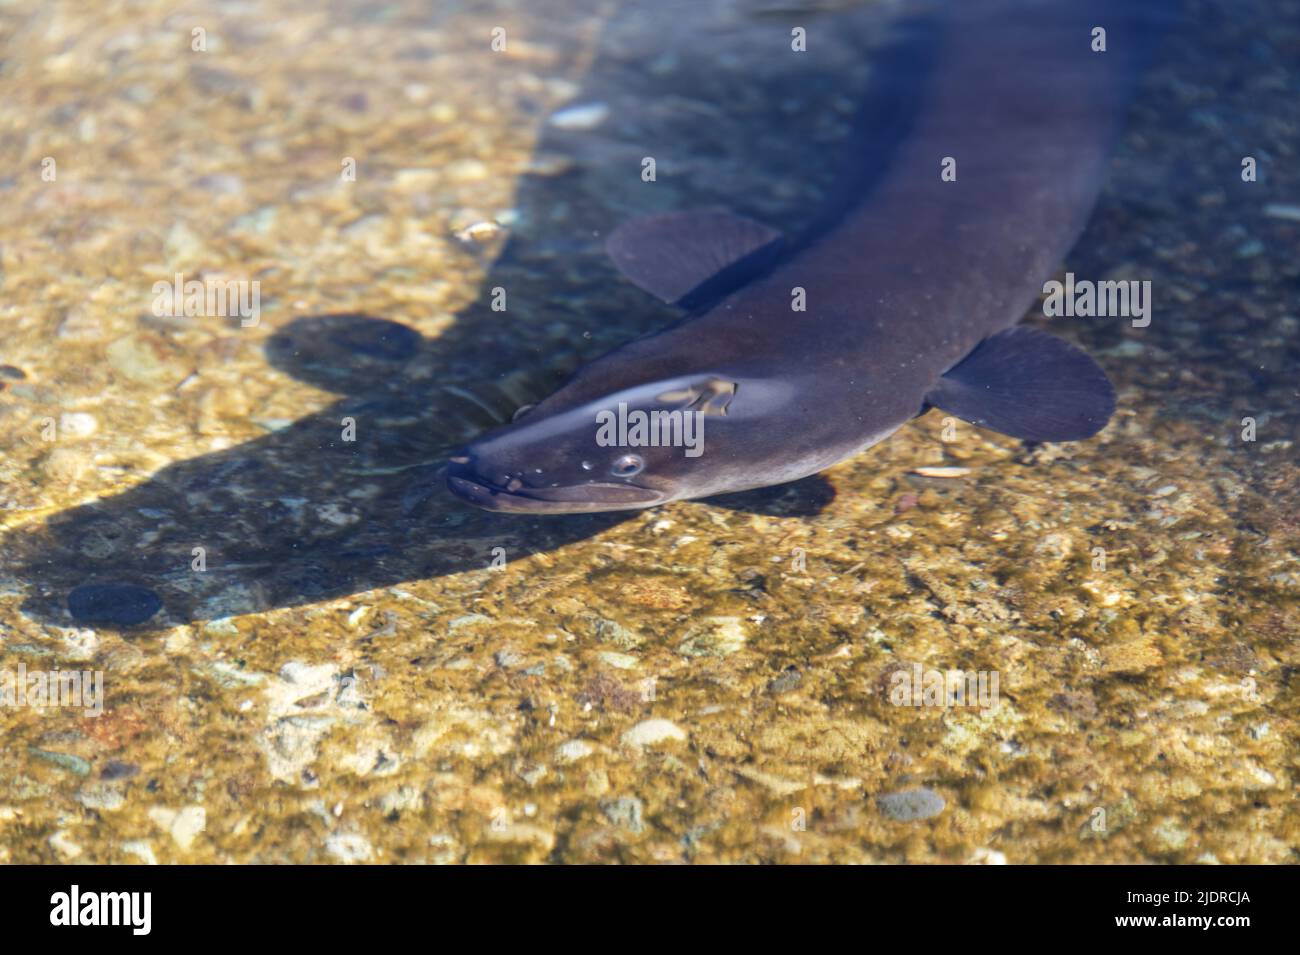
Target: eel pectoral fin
point(1030, 385)
point(693, 259)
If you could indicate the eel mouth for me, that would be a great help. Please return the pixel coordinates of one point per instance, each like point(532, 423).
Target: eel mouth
point(574, 499)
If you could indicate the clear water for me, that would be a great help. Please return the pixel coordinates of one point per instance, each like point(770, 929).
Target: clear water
point(310, 651)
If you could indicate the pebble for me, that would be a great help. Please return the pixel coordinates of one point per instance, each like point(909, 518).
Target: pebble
point(1280, 211)
point(77, 424)
point(468, 620)
point(304, 674)
point(146, 359)
point(141, 849)
point(1055, 545)
point(480, 231)
point(787, 681)
point(910, 805)
point(626, 812)
point(650, 732)
point(221, 627)
point(183, 825)
point(718, 637)
point(260, 221)
point(531, 773)
point(506, 659)
point(572, 751)
point(580, 117)
point(229, 675)
point(524, 833)
point(466, 170)
point(349, 847)
point(777, 784)
point(1170, 836)
point(402, 799)
point(183, 247)
point(80, 325)
point(221, 184)
point(611, 631)
point(66, 465)
point(548, 164)
point(219, 405)
point(950, 472)
point(101, 798)
point(123, 605)
point(620, 661)
point(73, 764)
point(116, 769)
point(290, 744)
point(62, 843)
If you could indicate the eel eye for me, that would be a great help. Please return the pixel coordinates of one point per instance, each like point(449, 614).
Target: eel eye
point(629, 465)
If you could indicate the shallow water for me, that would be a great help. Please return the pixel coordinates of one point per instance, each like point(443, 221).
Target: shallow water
point(341, 662)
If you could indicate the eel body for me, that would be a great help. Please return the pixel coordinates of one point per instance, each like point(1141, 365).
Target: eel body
point(798, 354)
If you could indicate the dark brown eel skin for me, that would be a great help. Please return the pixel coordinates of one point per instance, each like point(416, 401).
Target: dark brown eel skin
point(912, 291)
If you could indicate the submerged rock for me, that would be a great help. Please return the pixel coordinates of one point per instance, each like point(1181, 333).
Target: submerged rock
point(123, 605)
point(625, 812)
point(650, 732)
point(910, 805)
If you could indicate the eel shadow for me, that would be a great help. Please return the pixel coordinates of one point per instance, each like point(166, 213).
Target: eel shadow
point(345, 500)
point(352, 497)
point(340, 501)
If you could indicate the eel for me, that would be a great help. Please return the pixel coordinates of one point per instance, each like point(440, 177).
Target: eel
point(911, 292)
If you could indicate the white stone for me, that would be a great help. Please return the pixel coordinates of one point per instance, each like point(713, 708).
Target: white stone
point(349, 847)
point(572, 751)
point(183, 825)
point(77, 424)
point(141, 849)
point(650, 732)
point(581, 116)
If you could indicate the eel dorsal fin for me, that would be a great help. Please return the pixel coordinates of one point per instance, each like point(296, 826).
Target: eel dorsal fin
point(692, 259)
point(1030, 385)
